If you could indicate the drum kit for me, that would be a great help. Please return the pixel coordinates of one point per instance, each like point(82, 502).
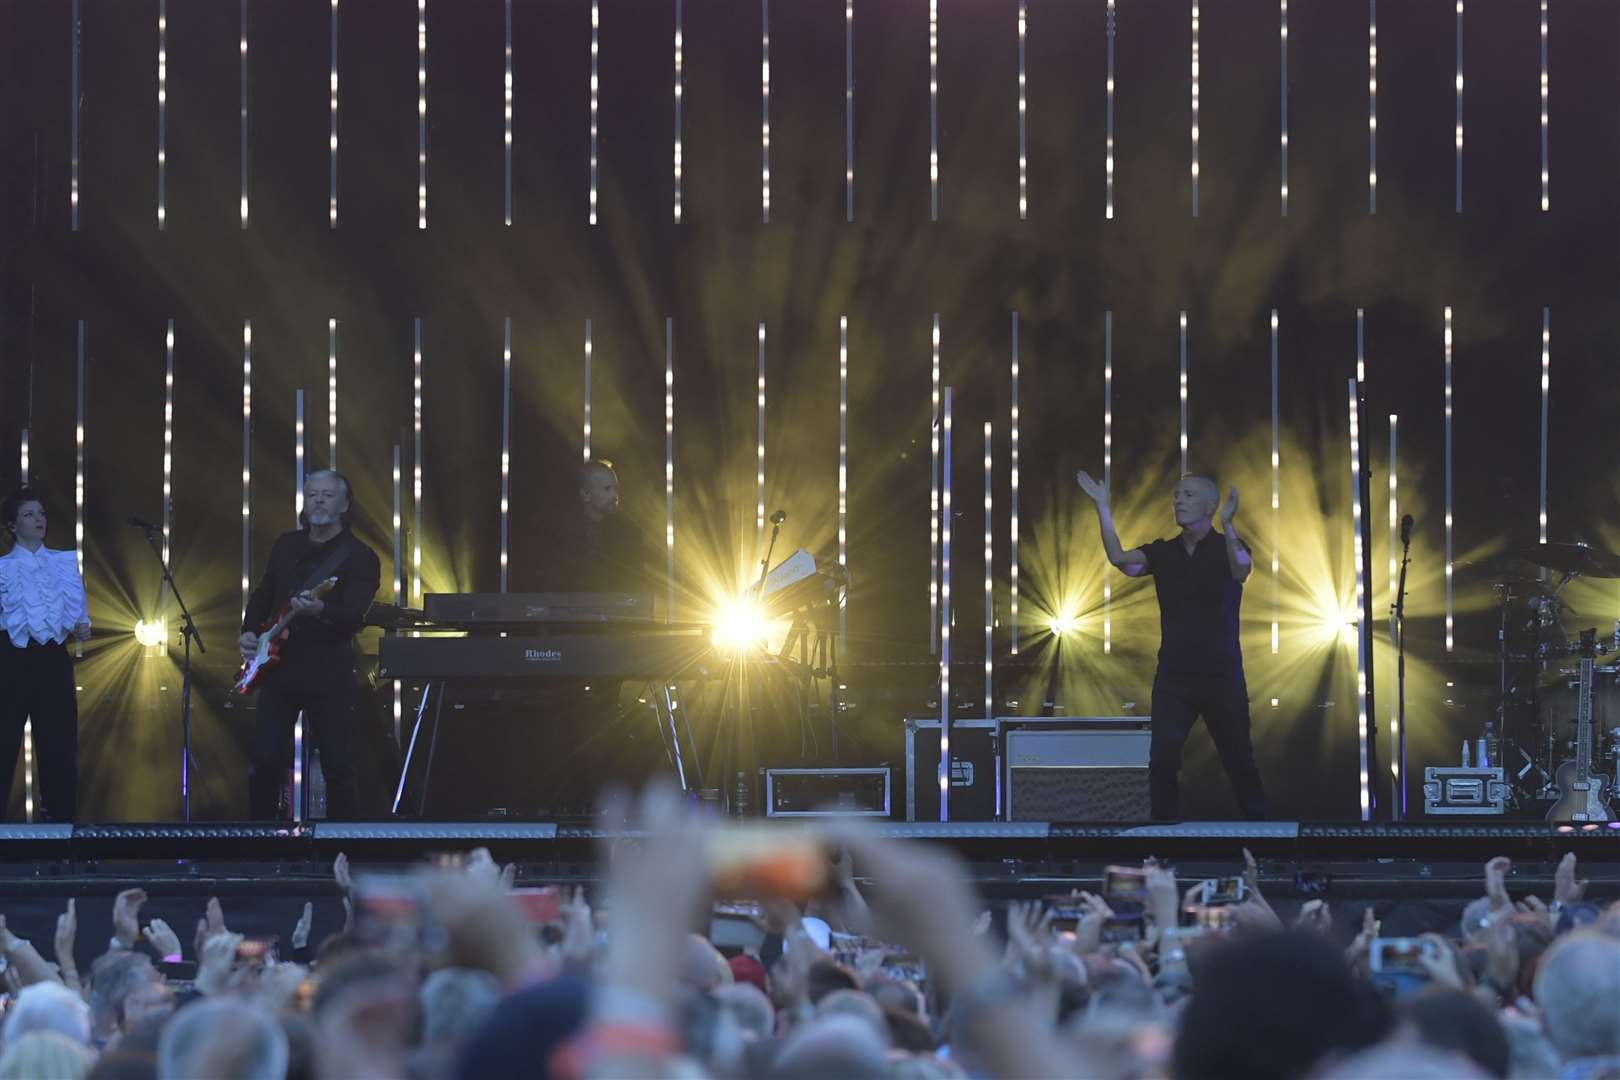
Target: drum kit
point(1545, 716)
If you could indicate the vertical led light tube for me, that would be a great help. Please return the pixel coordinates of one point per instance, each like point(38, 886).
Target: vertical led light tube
point(587, 390)
point(1194, 108)
point(399, 574)
point(507, 113)
point(759, 516)
point(421, 114)
point(680, 80)
point(298, 457)
point(1546, 176)
point(1108, 464)
point(935, 420)
point(1450, 641)
point(332, 136)
point(331, 394)
point(1276, 488)
point(28, 771)
point(506, 442)
point(247, 459)
point(596, 48)
point(1361, 352)
point(1284, 48)
point(163, 112)
point(843, 465)
point(849, 111)
point(1183, 392)
point(1023, 108)
point(23, 449)
point(243, 48)
point(989, 576)
point(169, 441)
point(765, 111)
point(1108, 146)
point(1372, 106)
point(933, 110)
point(669, 466)
point(945, 621)
point(1394, 589)
point(1546, 383)
point(1459, 103)
point(1394, 515)
point(1362, 636)
point(1013, 512)
point(416, 462)
point(73, 155)
point(78, 454)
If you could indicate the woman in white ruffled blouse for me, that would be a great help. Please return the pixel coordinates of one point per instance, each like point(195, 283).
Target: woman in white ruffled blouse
point(42, 604)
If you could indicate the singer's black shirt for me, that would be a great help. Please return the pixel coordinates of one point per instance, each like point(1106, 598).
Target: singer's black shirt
point(1198, 606)
point(324, 639)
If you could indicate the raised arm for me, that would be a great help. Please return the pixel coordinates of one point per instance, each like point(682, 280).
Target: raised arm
point(1238, 557)
point(1132, 562)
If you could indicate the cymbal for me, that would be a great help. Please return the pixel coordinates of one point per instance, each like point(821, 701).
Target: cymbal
point(1571, 558)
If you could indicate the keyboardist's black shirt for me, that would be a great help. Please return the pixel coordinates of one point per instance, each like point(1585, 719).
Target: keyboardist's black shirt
point(594, 556)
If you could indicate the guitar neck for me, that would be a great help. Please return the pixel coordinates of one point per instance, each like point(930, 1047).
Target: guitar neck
point(1583, 722)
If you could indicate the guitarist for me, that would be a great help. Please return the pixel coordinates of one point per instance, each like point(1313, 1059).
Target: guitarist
point(316, 674)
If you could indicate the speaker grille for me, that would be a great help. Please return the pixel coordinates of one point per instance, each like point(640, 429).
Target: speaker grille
point(1109, 793)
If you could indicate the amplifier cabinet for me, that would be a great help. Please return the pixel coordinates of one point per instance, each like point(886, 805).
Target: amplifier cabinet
point(1076, 768)
point(975, 770)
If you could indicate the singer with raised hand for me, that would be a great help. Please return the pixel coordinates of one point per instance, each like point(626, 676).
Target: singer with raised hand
point(42, 604)
point(1198, 579)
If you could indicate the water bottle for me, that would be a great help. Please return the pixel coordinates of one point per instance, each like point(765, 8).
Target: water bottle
point(1465, 754)
point(1481, 758)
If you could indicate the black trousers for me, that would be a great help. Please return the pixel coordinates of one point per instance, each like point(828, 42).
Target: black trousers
point(1223, 701)
point(36, 683)
point(325, 694)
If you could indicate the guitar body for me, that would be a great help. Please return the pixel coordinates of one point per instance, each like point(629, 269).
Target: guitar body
point(271, 637)
point(1583, 795)
point(1581, 798)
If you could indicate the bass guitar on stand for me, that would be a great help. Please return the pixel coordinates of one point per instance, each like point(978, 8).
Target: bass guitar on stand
point(1583, 795)
point(271, 637)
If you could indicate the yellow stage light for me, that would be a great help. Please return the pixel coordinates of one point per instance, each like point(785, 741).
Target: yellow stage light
point(1061, 625)
point(151, 634)
point(740, 624)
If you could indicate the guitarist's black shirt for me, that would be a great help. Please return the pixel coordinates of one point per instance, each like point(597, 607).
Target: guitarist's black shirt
point(322, 642)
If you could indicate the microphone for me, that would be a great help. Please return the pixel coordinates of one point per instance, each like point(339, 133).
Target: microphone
point(1406, 530)
point(779, 517)
point(141, 523)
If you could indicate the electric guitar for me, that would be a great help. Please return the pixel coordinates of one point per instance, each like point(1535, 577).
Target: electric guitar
point(271, 637)
point(1582, 794)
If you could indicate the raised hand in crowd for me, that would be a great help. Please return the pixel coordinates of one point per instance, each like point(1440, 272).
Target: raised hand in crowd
point(126, 917)
point(164, 941)
point(67, 935)
point(300, 934)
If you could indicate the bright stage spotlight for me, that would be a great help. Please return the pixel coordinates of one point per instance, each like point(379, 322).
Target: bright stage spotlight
point(151, 634)
point(1063, 625)
point(739, 624)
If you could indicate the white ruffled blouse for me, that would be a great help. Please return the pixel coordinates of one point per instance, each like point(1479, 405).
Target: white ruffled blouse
point(41, 595)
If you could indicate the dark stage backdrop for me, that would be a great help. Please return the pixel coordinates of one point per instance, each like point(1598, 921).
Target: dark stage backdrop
point(713, 279)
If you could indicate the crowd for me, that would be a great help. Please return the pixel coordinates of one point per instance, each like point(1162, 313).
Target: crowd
point(876, 960)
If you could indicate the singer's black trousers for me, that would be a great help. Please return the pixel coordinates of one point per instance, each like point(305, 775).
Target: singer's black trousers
point(36, 683)
point(1223, 701)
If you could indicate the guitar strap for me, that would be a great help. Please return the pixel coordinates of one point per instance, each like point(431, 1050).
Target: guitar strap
point(330, 564)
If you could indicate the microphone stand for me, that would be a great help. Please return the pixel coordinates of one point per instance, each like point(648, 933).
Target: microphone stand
point(188, 633)
point(1398, 624)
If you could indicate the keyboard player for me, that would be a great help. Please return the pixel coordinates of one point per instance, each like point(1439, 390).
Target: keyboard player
point(591, 547)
